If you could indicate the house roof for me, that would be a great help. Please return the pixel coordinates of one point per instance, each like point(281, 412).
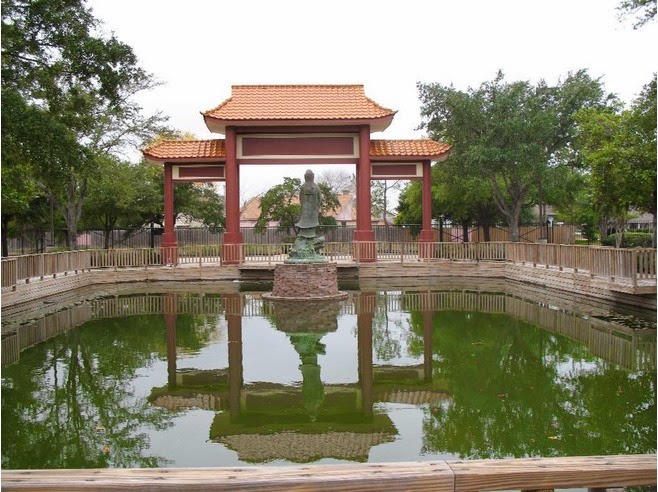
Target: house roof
point(209, 150)
point(297, 105)
point(250, 211)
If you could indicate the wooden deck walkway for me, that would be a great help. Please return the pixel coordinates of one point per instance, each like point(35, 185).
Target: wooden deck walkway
point(593, 472)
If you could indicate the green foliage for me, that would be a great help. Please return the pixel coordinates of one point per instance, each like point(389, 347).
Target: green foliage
point(629, 240)
point(618, 150)
point(67, 102)
point(507, 136)
point(409, 207)
point(642, 10)
point(281, 204)
point(204, 204)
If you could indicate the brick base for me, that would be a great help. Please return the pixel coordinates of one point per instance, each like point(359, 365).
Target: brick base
point(305, 281)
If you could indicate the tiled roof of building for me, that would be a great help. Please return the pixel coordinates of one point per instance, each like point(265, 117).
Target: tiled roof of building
point(215, 149)
point(346, 211)
point(394, 148)
point(303, 448)
point(186, 149)
point(298, 102)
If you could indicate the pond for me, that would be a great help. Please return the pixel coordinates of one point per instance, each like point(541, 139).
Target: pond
point(220, 377)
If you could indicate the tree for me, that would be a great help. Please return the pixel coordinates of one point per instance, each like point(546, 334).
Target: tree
point(339, 180)
point(281, 204)
point(113, 194)
point(641, 137)
point(380, 198)
point(645, 9)
point(512, 134)
point(409, 208)
point(78, 82)
point(202, 202)
point(618, 150)
point(22, 146)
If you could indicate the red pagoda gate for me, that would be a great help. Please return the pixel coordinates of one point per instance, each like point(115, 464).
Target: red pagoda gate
point(296, 124)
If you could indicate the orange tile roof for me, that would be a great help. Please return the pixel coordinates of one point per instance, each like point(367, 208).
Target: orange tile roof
point(186, 149)
point(298, 102)
point(215, 149)
point(346, 210)
point(407, 148)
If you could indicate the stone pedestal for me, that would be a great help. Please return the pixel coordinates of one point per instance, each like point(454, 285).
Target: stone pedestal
point(305, 282)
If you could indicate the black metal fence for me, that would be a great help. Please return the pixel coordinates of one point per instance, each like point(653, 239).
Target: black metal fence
point(39, 241)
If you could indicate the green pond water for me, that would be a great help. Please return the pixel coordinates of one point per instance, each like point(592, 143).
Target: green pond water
point(219, 379)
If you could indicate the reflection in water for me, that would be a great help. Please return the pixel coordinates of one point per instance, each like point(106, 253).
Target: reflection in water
point(471, 370)
point(305, 324)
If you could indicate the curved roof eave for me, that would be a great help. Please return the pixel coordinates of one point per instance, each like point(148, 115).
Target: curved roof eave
point(216, 125)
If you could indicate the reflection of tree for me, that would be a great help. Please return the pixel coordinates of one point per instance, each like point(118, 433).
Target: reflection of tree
point(193, 332)
point(385, 345)
point(70, 402)
point(520, 391)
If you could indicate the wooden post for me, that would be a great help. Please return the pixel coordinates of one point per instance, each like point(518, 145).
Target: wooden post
point(364, 236)
point(426, 234)
point(169, 250)
point(233, 312)
point(170, 309)
point(232, 250)
point(364, 336)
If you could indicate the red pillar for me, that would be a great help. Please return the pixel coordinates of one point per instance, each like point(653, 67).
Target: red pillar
point(170, 311)
point(364, 339)
point(169, 244)
point(427, 234)
point(233, 249)
point(233, 312)
point(364, 236)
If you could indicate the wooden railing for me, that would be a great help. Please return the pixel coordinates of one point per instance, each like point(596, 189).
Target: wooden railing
point(593, 472)
point(9, 273)
point(632, 265)
point(614, 263)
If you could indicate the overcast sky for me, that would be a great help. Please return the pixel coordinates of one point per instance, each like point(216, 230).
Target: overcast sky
point(199, 48)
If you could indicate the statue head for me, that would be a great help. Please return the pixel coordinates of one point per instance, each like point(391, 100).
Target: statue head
point(308, 175)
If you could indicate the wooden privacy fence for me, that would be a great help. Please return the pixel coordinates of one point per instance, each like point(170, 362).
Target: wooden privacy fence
point(633, 265)
point(593, 472)
point(558, 234)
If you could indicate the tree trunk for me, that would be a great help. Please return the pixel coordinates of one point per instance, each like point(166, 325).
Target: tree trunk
point(514, 235)
point(5, 241)
point(511, 211)
point(465, 230)
point(486, 230)
point(51, 201)
point(75, 193)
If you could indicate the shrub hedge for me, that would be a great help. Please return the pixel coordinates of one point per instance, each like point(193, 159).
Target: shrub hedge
point(629, 240)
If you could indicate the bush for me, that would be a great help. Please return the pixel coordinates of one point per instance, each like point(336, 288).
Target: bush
point(629, 240)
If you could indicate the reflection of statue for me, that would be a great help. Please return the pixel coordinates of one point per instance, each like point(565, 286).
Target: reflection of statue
point(308, 346)
point(307, 245)
point(309, 197)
